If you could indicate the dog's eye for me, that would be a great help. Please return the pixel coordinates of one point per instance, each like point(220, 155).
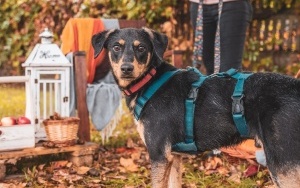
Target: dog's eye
point(141, 48)
point(116, 48)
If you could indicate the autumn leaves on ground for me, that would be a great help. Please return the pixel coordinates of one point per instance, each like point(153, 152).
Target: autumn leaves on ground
point(124, 162)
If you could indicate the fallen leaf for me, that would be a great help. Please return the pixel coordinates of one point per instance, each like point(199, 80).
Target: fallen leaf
point(41, 166)
point(130, 143)
point(41, 180)
point(235, 178)
point(8, 185)
point(82, 170)
point(125, 149)
point(62, 173)
point(58, 164)
point(58, 179)
point(209, 172)
point(96, 181)
point(120, 150)
point(212, 163)
point(69, 164)
point(223, 171)
point(251, 171)
point(128, 164)
point(73, 178)
point(136, 155)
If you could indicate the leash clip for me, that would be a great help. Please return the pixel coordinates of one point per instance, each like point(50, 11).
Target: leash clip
point(237, 105)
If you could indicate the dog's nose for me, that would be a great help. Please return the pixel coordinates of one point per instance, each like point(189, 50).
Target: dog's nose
point(127, 68)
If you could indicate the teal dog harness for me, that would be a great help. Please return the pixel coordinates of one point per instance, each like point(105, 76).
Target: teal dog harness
point(237, 104)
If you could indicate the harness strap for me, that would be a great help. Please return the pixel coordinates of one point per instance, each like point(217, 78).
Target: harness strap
point(189, 144)
point(238, 104)
point(237, 100)
point(143, 99)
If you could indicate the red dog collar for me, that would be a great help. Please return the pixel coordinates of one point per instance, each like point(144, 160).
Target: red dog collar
point(141, 83)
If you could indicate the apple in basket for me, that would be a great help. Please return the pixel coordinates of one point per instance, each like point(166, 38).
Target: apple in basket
point(23, 120)
point(8, 121)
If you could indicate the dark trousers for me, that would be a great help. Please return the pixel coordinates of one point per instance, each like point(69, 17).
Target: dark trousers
point(235, 19)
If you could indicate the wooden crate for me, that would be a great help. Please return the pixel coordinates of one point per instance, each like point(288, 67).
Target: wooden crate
point(17, 137)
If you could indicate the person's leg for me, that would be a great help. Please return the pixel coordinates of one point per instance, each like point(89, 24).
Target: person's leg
point(193, 13)
point(210, 18)
point(235, 19)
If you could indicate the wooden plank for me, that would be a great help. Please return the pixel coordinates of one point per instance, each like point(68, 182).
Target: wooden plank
point(80, 89)
point(40, 150)
point(14, 79)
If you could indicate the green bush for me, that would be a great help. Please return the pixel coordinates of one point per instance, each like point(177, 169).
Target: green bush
point(21, 21)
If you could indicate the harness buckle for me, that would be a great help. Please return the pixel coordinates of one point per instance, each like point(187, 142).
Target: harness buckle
point(193, 93)
point(237, 105)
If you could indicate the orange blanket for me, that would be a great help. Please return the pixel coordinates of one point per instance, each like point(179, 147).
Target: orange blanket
point(77, 36)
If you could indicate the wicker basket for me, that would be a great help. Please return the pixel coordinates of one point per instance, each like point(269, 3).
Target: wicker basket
point(63, 130)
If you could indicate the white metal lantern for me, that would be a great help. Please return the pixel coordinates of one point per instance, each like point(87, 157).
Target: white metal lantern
point(49, 73)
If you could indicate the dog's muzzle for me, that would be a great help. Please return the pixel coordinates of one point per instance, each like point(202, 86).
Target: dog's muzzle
point(127, 68)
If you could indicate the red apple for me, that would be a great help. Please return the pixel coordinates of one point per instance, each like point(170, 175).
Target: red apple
point(7, 121)
point(23, 120)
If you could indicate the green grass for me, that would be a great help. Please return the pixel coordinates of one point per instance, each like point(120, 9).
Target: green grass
point(12, 100)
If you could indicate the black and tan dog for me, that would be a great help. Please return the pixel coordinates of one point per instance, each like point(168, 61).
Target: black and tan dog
point(271, 102)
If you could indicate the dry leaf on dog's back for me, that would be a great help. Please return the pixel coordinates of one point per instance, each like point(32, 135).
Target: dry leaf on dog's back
point(128, 164)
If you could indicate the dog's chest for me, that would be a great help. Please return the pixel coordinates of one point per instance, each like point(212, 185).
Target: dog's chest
point(140, 129)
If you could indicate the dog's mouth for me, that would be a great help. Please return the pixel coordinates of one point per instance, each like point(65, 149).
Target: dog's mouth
point(127, 78)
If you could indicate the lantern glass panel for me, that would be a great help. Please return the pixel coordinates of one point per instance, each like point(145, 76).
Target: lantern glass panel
point(49, 99)
point(50, 95)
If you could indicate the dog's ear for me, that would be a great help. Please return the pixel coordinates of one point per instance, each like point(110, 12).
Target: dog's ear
point(159, 42)
point(99, 40)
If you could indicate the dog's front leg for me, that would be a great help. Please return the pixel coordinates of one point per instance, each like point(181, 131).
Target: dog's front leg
point(175, 177)
point(167, 173)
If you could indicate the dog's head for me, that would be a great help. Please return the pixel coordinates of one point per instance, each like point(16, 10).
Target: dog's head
point(131, 51)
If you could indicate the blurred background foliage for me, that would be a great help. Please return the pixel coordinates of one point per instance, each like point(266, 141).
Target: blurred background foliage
point(272, 44)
